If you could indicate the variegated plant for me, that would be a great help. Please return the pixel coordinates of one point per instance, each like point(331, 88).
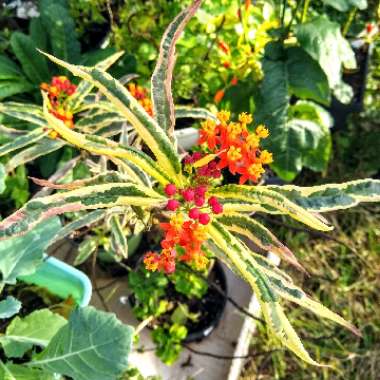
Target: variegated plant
point(146, 176)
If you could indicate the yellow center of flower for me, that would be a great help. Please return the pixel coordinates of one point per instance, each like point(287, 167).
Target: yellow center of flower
point(209, 126)
point(266, 157)
point(262, 132)
point(234, 153)
point(224, 116)
point(245, 118)
point(253, 141)
point(256, 170)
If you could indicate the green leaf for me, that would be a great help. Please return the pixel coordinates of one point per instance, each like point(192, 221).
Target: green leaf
point(23, 111)
point(312, 86)
point(9, 87)
point(162, 98)
point(332, 197)
point(119, 243)
point(61, 29)
point(85, 198)
point(193, 113)
point(9, 69)
point(86, 248)
point(38, 33)
point(9, 307)
point(33, 63)
point(11, 371)
point(36, 329)
point(22, 141)
point(323, 41)
point(92, 345)
point(22, 255)
point(346, 5)
point(3, 175)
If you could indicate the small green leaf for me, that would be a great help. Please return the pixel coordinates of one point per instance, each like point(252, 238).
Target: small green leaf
point(9, 307)
point(85, 250)
point(36, 329)
point(11, 371)
point(346, 5)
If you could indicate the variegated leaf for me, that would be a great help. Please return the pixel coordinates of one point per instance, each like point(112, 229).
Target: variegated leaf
point(26, 112)
point(86, 198)
point(332, 197)
point(86, 248)
point(259, 235)
point(182, 112)
point(269, 285)
point(102, 146)
point(85, 87)
point(148, 129)
point(162, 99)
point(119, 243)
point(265, 197)
point(22, 141)
point(98, 120)
point(39, 149)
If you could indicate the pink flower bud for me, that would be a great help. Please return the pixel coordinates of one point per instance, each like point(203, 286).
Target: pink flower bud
point(200, 191)
point(204, 218)
point(194, 213)
point(199, 201)
point(217, 208)
point(170, 189)
point(188, 195)
point(213, 200)
point(172, 205)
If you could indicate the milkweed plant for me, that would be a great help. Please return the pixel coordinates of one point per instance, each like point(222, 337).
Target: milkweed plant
point(200, 218)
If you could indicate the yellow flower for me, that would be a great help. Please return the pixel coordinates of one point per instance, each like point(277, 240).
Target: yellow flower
point(256, 170)
point(266, 157)
point(262, 131)
point(245, 118)
point(253, 141)
point(224, 116)
point(234, 153)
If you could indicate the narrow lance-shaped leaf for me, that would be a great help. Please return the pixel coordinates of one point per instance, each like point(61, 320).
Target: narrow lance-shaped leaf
point(39, 149)
point(148, 129)
point(22, 141)
point(259, 235)
point(273, 313)
point(162, 98)
point(85, 87)
point(119, 244)
point(102, 146)
point(332, 197)
point(27, 112)
point(86, 248)
point(266, 197)
point(86, 198)
point(183, 112)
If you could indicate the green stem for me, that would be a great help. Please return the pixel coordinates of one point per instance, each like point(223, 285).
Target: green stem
point(305, 10)
point(349, 21)
point(283, 12)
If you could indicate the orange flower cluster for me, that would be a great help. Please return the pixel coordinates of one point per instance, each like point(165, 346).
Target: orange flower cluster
point(183, 241)
point(141, 94)
point(58, 91)
point(238, 149)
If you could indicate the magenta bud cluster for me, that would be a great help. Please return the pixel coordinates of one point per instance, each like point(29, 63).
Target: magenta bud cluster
point(196, 197)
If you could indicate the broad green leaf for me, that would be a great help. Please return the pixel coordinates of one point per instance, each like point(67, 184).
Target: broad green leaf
point(86, 248)
point(36, 329)
point(92, 345)
point(323, 41)
point(33, 64)
point(61, 29)
point(86, 198)
point(38, 33)
point(9, 69)
point(23, 111)
point(9, 307)
point(41, 148)
point(152, 134)
point(9, 87)
point(332, 197)
point(22, 255)
point(22, 141)
point(259, 235)
point(162, 99)
point(265, 196)
point(103, 146)
point(346, 5)
point(11, 371)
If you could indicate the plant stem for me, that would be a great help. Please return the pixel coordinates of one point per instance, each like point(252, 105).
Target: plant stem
point(305, 10)
point(348, 23)
point(283, 12)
